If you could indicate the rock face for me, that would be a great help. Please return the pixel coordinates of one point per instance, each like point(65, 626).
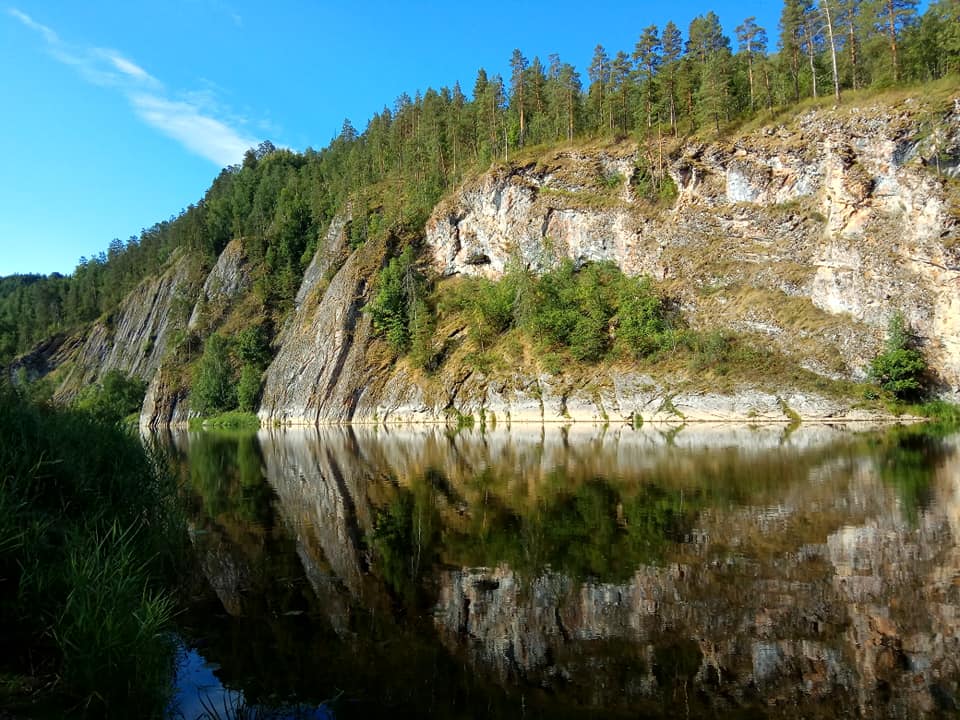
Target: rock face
point(165, 404)
point(227, 280)
point(839, 215)
point(807, 237)
point(167, 400)
point(322, 367)
point(133, 339)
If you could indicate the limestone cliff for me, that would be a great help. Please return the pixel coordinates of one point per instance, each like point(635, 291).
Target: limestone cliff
point(134, 338)
point(811, 234)
point(167, 399)
point(805, 236)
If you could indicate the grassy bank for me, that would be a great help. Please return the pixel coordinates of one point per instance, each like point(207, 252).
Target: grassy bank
point(232, 420)
point(89, 537)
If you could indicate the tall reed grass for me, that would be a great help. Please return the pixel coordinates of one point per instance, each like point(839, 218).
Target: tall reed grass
point(90, 536)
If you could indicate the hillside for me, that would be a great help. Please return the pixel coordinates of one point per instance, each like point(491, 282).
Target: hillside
point(776, 255)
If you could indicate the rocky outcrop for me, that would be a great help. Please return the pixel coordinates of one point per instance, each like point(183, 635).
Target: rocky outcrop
point(805, 237)
point(134, 338)
point(165, 404)
point(322, 365)
point(816, 231)
point(227, 280)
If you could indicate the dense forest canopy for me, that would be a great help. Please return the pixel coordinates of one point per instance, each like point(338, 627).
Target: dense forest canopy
point(392, 174)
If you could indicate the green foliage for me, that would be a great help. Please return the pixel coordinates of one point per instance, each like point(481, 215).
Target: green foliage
point(710, 350)
point(115, 397)
point(111, 615)
point(941, 411)
point(252, 346)
point(588, 312)
point(653, 184)
point(596, 309)
point(398, 287)
point(213, 389)
point(900, 368)
point(248, 389)
point(230, 420)
point(89, 533)
point(643, 327)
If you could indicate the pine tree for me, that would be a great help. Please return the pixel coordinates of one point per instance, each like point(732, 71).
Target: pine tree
point(672, 45)
point(710, 50)
point(892, 16)
point(791, 24)
point(620, 85)
point(599, 74)
point(518, 79)
point(647, 56)
point(753, 41)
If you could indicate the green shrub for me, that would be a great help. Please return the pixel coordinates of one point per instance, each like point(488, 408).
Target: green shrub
point(397, 287)
point(213, 389)
point(252, 346)
point(900, 368)
point(710, 350)
point(248, 389)
point(642, 327)
point(116, 396)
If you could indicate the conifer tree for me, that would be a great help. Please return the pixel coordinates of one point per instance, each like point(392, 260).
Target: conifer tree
point(791, 29)
point(599, 74)
point(892, 16)
point(647, 56)
point(753, 41)
point(672, 46)
point(518, 79)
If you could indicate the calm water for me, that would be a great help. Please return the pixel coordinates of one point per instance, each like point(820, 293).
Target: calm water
point(551, 573)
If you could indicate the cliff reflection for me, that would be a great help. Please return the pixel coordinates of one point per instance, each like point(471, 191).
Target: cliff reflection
point(812, 573)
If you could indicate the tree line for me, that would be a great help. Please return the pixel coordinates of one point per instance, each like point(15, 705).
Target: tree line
point(392, 174)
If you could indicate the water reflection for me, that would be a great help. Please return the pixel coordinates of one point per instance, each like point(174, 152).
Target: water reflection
point(579, 573)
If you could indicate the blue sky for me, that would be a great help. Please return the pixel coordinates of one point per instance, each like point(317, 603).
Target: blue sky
point(119, 114)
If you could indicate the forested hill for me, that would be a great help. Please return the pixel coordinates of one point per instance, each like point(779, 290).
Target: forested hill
point(669, 88)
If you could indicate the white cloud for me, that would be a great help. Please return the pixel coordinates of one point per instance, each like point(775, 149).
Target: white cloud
point(49, 35)
point(198, 122)
point(199, 133)
point(128, 67)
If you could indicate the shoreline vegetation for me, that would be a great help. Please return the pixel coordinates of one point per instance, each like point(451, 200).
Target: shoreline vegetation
point(90, 539)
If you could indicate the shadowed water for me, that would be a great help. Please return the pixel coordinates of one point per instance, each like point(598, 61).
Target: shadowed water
point(551, 572)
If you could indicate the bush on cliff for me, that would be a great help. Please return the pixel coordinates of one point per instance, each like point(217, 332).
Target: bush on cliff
point(900, 368)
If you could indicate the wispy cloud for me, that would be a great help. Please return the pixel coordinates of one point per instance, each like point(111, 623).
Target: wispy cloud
point(49, 35)
point(199, 133)
point(128, 67)
point(194, 119)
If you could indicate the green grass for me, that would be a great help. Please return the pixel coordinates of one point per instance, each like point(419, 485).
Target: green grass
point(232, 420)
point(90, 537)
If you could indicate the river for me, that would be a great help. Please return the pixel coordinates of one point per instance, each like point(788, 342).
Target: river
point(552, 572)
